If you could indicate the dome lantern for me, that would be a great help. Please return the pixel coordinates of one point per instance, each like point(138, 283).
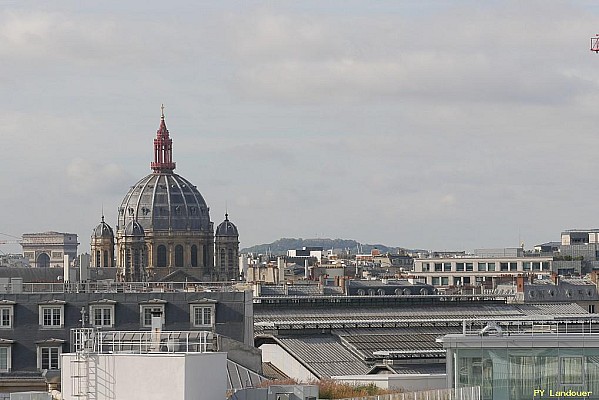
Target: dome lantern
point(163, 149)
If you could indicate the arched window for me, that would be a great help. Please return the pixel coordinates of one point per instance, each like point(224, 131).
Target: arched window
point(136, 259)
point(136, 267)
point(179, 256)
point(106, 264)
point(161, 256)
point(230, 258)
point(222, 258)
point(194, 256)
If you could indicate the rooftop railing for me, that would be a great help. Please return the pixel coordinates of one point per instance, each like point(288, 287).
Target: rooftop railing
point(91, 340)
point(117, 287)
point(533, 325)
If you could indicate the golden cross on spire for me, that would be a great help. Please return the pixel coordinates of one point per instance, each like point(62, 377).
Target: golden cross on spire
point(162, 111)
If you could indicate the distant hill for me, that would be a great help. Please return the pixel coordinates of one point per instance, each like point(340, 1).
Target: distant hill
point(280, 247)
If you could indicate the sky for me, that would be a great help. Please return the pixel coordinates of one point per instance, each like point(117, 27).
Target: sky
point(441, 125)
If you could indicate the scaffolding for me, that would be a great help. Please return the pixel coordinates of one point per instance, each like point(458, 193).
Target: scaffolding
point(84, 343)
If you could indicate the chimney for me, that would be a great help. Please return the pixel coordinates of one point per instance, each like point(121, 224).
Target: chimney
point(555, 278)
point(520, 284)
point(66, 269)
point(156, 329)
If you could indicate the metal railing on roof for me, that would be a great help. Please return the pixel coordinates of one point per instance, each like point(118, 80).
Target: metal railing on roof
point(117, 287)
point(469, 325)
point(358, 323)
point(91, 340)
point(533, 325)
point(463, 393)
point(277, 299)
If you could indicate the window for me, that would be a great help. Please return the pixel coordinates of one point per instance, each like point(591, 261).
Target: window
point(482, 266)
point(426, 267)
point(447, 267)
point(101, 315)
point(161, 256)
point(444, 281)
point(146, 311)
point(491, 266)
point(51, 316)
point(202, 315)
point(106, 264)
point(571, 370)
point(526, 266)
point(513, 266)
point(437, 267)
point(545, 266)
point(5, 358)
point(536, 266)
point(179, 256)
point(435, 281)
point(469, 267)
point(466, 280)
point(503, 266)
point(230, 258)
point(48, 357)
point(459, 267)
point(6, 316)
point(194, 256)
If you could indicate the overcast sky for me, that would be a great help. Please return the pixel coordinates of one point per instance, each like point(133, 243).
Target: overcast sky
point(436, 125)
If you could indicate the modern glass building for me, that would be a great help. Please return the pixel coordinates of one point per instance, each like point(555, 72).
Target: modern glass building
point(527, 359)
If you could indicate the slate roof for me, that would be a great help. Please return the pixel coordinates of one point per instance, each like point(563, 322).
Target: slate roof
point(324, 355)
point(349, 349)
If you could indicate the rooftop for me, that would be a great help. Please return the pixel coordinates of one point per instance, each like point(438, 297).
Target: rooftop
point(108, 286)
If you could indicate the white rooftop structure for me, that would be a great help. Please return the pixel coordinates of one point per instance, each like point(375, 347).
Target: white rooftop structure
point(143, 365)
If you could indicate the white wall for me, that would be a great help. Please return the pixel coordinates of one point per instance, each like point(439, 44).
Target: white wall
point(174, 376)
point(285, 362)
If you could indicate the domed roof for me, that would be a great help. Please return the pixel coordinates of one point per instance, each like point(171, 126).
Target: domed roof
point(163, 200)
point(133, 228)
point(226, 228)
point(103, 230)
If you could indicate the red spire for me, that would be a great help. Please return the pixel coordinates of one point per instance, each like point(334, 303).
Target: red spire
point(163, 149)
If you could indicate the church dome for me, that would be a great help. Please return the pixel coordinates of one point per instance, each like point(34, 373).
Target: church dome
point(164, 201)
point(226, 228)
point(133, 228)
point(103, 230)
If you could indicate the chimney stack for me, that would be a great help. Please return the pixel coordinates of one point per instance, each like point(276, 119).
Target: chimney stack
point(520, 284)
